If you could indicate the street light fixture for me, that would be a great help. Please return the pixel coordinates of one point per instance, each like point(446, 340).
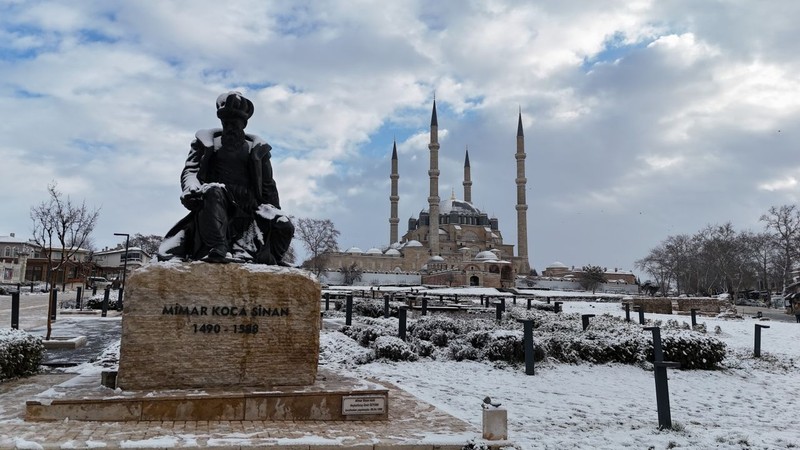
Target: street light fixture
point(124, 268)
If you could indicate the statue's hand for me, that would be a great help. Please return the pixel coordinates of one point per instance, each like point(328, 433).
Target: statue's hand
point(192, 200)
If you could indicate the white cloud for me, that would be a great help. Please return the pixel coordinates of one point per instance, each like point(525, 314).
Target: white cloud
point(631, 110)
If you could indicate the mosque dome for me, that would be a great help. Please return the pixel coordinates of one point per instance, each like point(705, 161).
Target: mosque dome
point(392, 252)
point(486, 255)
point(458, 206)
point(413, 243)
point(374, 251)
point(354, 250)
point(435, 258)
point(557, 265)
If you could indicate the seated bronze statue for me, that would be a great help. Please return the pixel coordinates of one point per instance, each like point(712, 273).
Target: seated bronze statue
point(228, 188)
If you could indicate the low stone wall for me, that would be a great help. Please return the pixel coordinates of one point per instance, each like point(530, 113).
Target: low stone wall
point(657, 305)
point(703, 305)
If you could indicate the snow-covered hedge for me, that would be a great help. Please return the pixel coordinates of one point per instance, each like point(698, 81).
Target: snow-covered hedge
point(20, 353)
point(393, 348)
point(558, 337)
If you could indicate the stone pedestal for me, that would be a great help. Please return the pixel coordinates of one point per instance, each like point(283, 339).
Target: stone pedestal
point(495, 424)
point(200, 325)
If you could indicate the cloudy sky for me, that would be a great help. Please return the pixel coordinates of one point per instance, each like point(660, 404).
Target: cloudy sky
point(642, 119)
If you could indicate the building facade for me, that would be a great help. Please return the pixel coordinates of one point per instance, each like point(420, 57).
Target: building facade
point(14, 254)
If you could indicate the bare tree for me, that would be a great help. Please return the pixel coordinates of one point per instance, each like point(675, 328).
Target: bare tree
point(319, 238)
point(149, 243)
point(58, 220)
point(591, 277)
point(351, 273)
point(784, 224)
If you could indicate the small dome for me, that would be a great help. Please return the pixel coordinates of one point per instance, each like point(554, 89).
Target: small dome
point(392, 252)
point(414, 243)
point(374, 251)
point(557, 265)
point(486, 256)
point(354, 250)
point(436, 258)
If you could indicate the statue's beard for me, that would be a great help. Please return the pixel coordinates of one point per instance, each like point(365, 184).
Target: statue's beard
point(232, 138)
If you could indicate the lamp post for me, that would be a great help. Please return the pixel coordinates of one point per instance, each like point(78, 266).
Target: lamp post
point(124, 268)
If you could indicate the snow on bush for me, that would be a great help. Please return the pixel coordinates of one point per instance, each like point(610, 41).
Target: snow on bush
point(20, 353)
point(557, 337)
point(394, 349)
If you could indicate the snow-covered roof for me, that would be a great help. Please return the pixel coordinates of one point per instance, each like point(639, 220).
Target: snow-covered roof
point(374, 251)
point(486, 255)
point(354, 250)
point(392, 252)
point(14, 240)
point(413, 243)
point(458, 206)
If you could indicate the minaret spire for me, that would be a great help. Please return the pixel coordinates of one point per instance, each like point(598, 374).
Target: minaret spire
point(433, 174)
point(393, 198)
point(523, 266)
point(467, 178)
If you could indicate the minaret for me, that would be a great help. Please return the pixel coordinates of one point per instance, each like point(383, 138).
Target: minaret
point(433, 173)
point(394, 198)
point(522, 206)
point(467, 179)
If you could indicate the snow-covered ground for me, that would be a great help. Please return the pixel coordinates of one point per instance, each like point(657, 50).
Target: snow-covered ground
point(752, 403)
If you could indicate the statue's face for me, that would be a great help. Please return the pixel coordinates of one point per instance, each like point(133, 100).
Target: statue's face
point(234, 124)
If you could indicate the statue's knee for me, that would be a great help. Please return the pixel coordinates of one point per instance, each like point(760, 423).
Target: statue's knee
point(284, 225)
point(214, 194)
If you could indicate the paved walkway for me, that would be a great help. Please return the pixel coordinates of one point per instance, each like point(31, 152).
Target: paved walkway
point(413, 424)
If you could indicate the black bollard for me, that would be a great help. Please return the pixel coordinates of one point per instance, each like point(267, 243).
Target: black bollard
point(557, 306)
point(105, 301)
point(53, 304)
point(640, 310)
point(94, 291)
point(424, 306)
point(498, 311)
point(529, 303)
point(15, 310)
point(662, 385)
point(327, 296)
point(455, 296)
point(401, 315)
point(548, 300)
point(694, 317)
point(31, 287)
point(78, 298)
point(440, 298)
point(514, 300)
point(757, 345)
point(585, 319)
point(348, 310)
point(482, 301)
point(503, 303)
point(527, 344)
point(120, 294)
point(385, 306)
point(627, 312)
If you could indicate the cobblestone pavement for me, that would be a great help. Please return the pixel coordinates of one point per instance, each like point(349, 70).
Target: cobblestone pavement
point(413, 423)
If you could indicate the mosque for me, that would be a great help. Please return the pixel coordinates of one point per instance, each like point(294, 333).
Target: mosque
point(467, 248)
